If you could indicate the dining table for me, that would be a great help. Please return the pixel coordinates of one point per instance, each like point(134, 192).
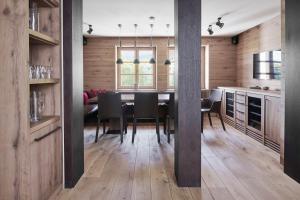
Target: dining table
point(129, 98)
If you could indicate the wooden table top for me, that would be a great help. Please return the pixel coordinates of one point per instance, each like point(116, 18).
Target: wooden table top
point(129, 98)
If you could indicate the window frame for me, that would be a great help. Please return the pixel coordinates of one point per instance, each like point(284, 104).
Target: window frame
point(170, 87)
point(136, 69)
point(206, 68)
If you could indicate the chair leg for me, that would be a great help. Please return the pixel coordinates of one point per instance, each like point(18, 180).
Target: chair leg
point(133, 130)
point(221, 118)
point(165, 125)
point(97, 130)
point(169, 131)
point(209, 117)
point(104, 127)
point(202, 116)
point(121, 129)
point(157, 130)
point(126, 125)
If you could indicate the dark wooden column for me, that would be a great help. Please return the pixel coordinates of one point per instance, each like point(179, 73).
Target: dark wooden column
point(187, 96)
point(73, 88)
point(292, 95)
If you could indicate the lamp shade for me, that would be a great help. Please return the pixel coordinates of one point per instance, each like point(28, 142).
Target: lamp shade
point(136, 61)
point(152, 61)
point(119, 61)
point(167, 62)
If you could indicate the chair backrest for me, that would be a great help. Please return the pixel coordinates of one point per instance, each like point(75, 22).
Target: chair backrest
point(215, 100)
point(171, 105)
point(109, 105)
point(146, 105)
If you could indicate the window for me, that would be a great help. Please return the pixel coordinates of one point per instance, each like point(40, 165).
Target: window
point(136, 76)
point(171, 69)
point(204, 68)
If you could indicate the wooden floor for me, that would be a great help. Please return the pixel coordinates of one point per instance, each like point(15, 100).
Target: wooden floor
point(234, 167)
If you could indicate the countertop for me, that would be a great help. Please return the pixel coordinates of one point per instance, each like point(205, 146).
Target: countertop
point(273, 93)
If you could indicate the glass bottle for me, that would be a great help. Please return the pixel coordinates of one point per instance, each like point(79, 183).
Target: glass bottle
point(34, 16)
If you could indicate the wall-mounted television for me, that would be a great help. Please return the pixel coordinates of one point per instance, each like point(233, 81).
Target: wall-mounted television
point(267, 65)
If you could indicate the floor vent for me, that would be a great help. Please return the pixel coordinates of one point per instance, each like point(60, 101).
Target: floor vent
point(240, 128)
point(255, 136)
point(229, 122)
point(272, 145)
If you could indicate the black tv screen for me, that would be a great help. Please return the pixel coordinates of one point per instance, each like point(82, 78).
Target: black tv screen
point(267, 65)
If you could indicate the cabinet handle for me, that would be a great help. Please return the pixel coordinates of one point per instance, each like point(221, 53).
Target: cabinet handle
point(46, 135)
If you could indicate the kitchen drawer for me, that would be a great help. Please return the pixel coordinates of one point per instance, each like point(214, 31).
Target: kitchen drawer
point(240, 107)
point(240, 98)
point(240, 116)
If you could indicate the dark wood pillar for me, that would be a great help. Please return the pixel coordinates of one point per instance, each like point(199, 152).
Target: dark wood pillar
point(187, 96)
point(292, 95)
point(73, 88)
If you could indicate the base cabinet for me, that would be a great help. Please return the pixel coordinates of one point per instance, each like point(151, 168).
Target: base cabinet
point(255, 114)
point(272, 122)
point(45, 163)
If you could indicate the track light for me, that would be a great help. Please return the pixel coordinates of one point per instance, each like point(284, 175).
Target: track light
point(90, 29)
point(210, 31)
point(219, 23)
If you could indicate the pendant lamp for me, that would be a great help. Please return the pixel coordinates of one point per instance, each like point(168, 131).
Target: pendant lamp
point(119, 60)
point(152, 60)
point(167, 61)
point(136, 61)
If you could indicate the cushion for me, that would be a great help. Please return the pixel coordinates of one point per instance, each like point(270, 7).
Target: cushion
point(85, 98)
point(91, 93)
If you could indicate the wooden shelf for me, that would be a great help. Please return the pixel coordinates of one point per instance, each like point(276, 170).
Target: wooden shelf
point(48, 3)
point(40, 38)
point(254, 105)
point(43, 81)
point(45, 121)
point(254, 113)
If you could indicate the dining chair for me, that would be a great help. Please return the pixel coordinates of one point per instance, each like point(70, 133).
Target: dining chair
point(171, 114)
point(212, 105)
point(110, 107)
point(145, 107)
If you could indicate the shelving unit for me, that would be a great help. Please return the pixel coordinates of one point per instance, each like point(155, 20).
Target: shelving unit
point(229, 104)
point(45, 121)
point(33, 167)
point(43, 81)
point(48, 3)
point(41, 39)
point(254, 113)
point(45, 49)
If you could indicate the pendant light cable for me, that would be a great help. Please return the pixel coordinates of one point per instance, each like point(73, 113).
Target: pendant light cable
point(152, 60)
point(168, 62)
point(136, 60)
point(119, 60)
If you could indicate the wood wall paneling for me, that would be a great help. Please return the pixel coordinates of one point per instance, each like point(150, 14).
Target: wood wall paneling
point(99, 61)
point(264, 37)
point(14, 106)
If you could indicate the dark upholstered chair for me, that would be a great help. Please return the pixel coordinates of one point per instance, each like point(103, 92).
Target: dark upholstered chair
point(212, 105)
point(171, 113)
point(110, 107)
point(145, 107)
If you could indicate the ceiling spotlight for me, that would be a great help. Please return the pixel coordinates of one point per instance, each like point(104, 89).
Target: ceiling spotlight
point(210, 31)
point(219, 23)
point(90, 29)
